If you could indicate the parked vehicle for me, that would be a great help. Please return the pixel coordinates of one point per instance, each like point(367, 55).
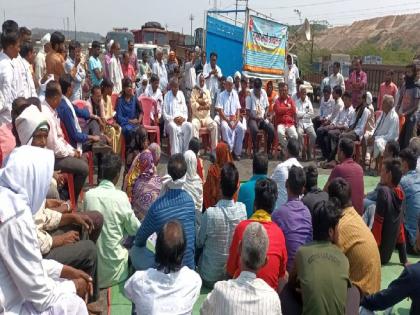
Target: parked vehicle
point(121, 36)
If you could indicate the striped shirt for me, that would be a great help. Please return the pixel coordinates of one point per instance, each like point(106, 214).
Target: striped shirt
point(175, 204)
point(215, 236)
point(242, 296)
point(358, 244)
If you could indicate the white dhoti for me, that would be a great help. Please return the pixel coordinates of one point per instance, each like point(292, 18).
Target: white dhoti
point(378, 147)
point(179, 136)
point(68, 304)
point(211, 126)
point(234, 138)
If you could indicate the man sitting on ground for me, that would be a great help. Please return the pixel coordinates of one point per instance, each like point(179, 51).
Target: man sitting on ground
point(356, 241)
point(275, 270)
point(313, 194)
point(281, 172)
point(410, 183)
point(247, 189)
point(294, 217)
point(119, 221)
point(349, 170)
point(321, 269)
point(247, 294)
point(171, 287)
point(217, 226)
point(174, 203)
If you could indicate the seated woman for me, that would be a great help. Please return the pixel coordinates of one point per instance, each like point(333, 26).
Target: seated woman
point(112, 129)
point(142, 183)
point(194, 185)
point(211, 189)
point(129, 116)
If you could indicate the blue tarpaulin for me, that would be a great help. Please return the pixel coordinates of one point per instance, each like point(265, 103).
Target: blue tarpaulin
point(227, 40)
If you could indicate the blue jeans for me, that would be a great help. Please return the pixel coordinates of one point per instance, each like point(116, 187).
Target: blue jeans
point(369, 214)
point(142, 258)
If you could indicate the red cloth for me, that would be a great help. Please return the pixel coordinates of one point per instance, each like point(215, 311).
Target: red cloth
point(128, 71)
point(276, 255)
point(353, 174)
point(200, 169)
point(285, 114)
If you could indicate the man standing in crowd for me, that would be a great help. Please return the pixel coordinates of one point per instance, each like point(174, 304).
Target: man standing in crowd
point(212, 75)
point(55, 60)
point(200, 107)
point(40, 65)
point(114, 68)
point(132, 55)
point(76, 68)
point(159, 68)
point(201, 63)
point(228, 107)
point(336, 78)
point(190, 78)
point(175, 114)
point(144, 65)
point(95, 65)
point(291, 74)
point(357, 80)
point(23, 81)
point(387, 88)
point(246, 294)
point(28, 55)
point(128, 69)
point(257, 112)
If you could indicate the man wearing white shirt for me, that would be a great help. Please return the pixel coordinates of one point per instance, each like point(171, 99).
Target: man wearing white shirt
point(326, 104)
point(170, 288)
point(27, 57)
point(152, 90)
point(228, 107)
point(212, 74)
point(159, 68)
point(387, 128)
point(114, 68)
point(190, 77)
point(246, 294)
point(304, 113)
point(291, 74)
point(175, 114)
point(257, 110)
point(336, 78)
point(76, 67)
point(21, 79)
point(40, 65)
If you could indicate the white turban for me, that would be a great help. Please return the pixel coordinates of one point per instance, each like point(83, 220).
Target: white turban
point(108, 46)
point(229, 79)
point(368, 98)
point(28, 122)
point(237, 74)
point(46, 39)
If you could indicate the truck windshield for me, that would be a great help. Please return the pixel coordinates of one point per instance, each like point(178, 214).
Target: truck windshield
point(120, 37)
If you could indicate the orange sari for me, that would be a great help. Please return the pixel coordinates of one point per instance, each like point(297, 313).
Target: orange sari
point(211, 189)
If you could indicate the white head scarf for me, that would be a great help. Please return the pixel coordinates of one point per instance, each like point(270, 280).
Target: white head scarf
point(45, 39)
point(369, 98)
point(193, 184)
point(24, 180)
point(237, 74)
point(28, 122)
point(168, 183)
point(108, 46)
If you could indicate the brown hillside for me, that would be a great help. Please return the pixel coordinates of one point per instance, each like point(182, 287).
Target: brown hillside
point(401, 30)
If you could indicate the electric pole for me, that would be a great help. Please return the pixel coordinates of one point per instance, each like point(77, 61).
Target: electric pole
point(299, 13)
point(74, 16)
point(191, 20)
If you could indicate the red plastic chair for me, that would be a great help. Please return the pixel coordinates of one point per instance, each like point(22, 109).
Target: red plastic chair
point(204, 135)
point(72, 195)
point(114, 97)
point(147, 103)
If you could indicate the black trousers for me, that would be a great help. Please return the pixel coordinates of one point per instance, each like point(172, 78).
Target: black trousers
point(254, 126)
point(76, 166)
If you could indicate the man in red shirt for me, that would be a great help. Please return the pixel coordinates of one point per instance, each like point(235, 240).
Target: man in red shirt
point(351, 171)
point(285, 115)
point(127, 68)
point(387, 88)
point(274, 272)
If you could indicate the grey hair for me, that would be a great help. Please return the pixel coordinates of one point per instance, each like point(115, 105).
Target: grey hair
point(159, 50)
point(302, 87)
point(388, 98)
point(254, 246)
point(415, 145)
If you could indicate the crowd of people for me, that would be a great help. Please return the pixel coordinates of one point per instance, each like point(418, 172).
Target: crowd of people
point(275, 244)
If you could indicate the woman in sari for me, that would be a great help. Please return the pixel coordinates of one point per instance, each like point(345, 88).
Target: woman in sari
point(112, 129)
point(193, 184)
point(212, 185)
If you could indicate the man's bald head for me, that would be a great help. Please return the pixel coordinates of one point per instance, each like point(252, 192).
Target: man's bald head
point(170, 247)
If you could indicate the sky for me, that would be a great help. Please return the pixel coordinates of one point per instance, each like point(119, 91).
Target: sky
point(102, 15)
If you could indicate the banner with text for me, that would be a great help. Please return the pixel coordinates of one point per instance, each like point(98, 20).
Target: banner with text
point(265, 46)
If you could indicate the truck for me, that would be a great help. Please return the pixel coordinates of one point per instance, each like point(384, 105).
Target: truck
point(121, 36)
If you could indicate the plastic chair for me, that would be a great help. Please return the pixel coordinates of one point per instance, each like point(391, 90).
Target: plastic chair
point(261, 138)
point(204, 135)
point(114, 98)
point(70, 186)
point(147, 104)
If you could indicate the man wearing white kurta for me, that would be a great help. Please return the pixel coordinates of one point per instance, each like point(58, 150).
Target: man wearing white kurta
point(115, 70)
point(387, 127)
point(175, 114)
point(159, 68)
point(305, 113)
point(228, 107)
point(212, 73)
point(291, 74)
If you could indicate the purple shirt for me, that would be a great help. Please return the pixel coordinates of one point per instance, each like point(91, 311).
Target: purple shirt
point(295, 220)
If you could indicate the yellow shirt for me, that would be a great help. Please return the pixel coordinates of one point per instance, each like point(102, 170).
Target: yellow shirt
point(197, 96)
point(358, 244)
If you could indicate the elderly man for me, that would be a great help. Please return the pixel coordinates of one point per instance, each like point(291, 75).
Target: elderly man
point(190, 77)
point(228, 107)
point(114, 68)
point(200, 107)
point(159, 68)
point(246, 294)
point(291, 74)
point(40, 66)
point(55, 60)
point(170, 288)
point(212, 74)
point(144, 65)
point(387, 129)
point(257, 110)
point(304, 113)
point(174, 203)
point(175, 114)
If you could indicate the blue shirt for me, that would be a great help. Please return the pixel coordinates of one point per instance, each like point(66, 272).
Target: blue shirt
point(175, 204)
point(66, 116)
point(94, 63)
point(125, 112)
point(247, 194)
point(410, 183)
